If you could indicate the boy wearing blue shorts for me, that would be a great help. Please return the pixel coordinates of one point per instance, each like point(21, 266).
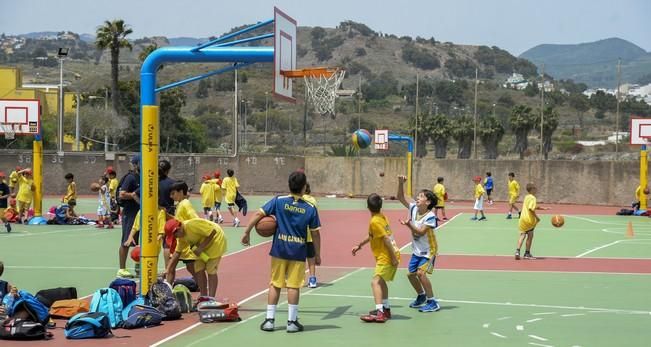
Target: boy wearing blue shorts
point(421, 223)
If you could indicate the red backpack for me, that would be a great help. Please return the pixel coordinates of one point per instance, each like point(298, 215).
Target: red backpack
point(214, 311)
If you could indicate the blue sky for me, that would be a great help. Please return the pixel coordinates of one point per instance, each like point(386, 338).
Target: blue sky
point(509, 24)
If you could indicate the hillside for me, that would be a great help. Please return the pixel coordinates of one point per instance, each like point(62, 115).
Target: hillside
point(593, 63)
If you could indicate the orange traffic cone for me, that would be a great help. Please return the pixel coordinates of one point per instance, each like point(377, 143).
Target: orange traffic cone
point(629, 230)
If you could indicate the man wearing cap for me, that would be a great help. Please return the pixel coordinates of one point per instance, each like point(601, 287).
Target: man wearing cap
point(207, 241)
point(4, 196)
point(130, 206)
point(13, 180)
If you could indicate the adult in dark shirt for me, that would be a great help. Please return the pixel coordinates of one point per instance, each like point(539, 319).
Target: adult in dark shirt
point(165, 186)
point(130, 207)
point(4, 196)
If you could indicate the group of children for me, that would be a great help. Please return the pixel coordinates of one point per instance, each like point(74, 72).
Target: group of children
point(213, 190)
point(16, 196)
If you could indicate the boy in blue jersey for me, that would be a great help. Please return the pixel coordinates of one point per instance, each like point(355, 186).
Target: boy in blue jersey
point(488, 185)
point(295, 218)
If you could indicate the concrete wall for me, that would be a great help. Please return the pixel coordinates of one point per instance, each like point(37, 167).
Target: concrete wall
point(581, 182)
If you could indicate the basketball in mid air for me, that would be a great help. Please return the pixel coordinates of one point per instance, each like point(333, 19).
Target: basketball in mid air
point(361, 138)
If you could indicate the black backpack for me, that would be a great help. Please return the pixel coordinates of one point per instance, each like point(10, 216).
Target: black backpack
point(160, 297)
point(22, 329)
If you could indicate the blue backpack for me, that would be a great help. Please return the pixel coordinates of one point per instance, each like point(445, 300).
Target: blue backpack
point(139, 315)
point(126, 288)
point(26, 301)
point(88, 325)
point(107, 300)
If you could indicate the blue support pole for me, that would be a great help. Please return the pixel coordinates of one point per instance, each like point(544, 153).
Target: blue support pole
point(226, 37)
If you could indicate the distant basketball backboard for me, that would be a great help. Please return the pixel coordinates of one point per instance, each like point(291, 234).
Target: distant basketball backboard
point(640, 131)
point(284, 53)
point(19, 117)
point(381, 142)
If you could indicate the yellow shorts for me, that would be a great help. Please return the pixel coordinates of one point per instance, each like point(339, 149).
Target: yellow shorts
point(211, 266)
point(287, 273)
point(386, 271)
point(187, 254)
point(512, 199)
point(230, 199)
point(2, 213)
point(24, 205)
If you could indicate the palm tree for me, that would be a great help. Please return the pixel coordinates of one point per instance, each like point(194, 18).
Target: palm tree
point(462, 132)
point(439, 129)
point(550, 121)
point(112, 36)
point(491, 133)
point(522, 121)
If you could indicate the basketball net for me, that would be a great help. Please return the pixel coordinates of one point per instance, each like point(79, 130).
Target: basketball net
point(8, 130)
point(322, 91)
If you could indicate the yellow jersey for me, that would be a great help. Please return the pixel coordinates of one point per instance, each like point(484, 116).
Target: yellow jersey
point(71, 192)
point(527, 220)
point(310, 199)
point(207, 192)
point(218, 190)
point(379, 228)
point(185, 211)
point(25, 186)
point(196, 231)
point(479, 191)
point(230, 184)
point(439, 192)
point(113, 186)
point(13, 178)
point(162, 218)
point(514, 189)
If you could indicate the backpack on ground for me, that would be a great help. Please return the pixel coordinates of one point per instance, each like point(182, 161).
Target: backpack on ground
point(88, 326)
point(139, 315)
point(214, 311)
point(22, 329)
point(108, 301)
point(188, 282)
point(69, 308)
point(183, 295)
point(625, 212)
point(49, 296)
point(126, 288)
point(160, 296)
point(27, 302)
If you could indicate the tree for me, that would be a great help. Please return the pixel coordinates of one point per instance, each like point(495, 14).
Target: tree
point(112, 36)
point(491, 133)
point(550, 123)
point(531, 89)
point(521, 121)
point(580, 103)
point(202, 89)
point(147, 51)
point(462, 132)
point(438, 128)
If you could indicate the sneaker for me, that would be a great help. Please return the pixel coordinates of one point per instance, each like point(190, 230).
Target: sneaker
point(387, 312)
point(236, 222)
point(220, 220)
point(311, 282)
point(519, 214)
point(378, 317)
point(8, 226)
point(528, 255)
point(473, 218)
point(509, 217)
point(481, 219)
point(267, 325)
point(124, 273)
point(51, 324)
point(517, 255)
point(293, 326)
point(445, 218)
point(420, 300)
point(431, 306)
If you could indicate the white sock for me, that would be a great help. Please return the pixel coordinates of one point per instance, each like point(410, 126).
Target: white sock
point(293, 312)
point(430, 299)
point(385, 303)
point(271, 311)
point(379, 307)
point(422, 293)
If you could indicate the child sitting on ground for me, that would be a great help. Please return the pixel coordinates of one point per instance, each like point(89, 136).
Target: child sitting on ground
point(65, 213)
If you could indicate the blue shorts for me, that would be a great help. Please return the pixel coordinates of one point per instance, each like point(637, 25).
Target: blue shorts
point(417, 262)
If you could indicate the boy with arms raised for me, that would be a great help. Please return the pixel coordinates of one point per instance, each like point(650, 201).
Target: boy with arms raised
point(421, 223)
point(295, 218)
point(528, 221)
point(387, 258)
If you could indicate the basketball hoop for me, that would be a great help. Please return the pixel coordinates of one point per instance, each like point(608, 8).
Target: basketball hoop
point(322, 84)
point(8, 130)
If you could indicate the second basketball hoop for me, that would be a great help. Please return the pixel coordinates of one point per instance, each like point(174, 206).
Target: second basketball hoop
point(321, 84)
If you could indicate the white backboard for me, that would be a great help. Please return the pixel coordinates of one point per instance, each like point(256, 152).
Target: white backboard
point(381, 139)
point(23, 117)
point(640, 131)
point(284, 53)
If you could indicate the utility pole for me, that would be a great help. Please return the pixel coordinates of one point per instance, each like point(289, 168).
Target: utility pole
point(77, 124)
point(266, 117)
point(619, 77)
point(359, 103)
point(416, 127)
point(474, 137)
point(236, 105)
point(542, 110)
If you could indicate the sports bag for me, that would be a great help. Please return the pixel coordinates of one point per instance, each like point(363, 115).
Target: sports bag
point(26, 301)
point(49, 296)
point(88, 326)
point(139, 315)
point(160, 296)
point(69, 308)
point(184, 297)
point(108, 301)
point(214, 311)
point(126, 288)
point(22, 329)
point(188, 282)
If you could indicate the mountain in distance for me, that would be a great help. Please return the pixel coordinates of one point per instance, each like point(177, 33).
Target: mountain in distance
point(593, 63)
point(186, 41)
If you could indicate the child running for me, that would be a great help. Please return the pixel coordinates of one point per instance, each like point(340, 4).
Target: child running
point(421, 223)
point(479, 199)
point(528, 221)
point(230, 184)
point(514, 194)
point(217, 181)
point(488, 185)
point(207, 192)
point(387, 258)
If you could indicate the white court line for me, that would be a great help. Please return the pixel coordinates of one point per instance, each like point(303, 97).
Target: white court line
point(503, 318)
point(543, 313)
point(581, 308)
point(437, 228)
point(246, 320)
point(534, 320)
point(595, 221)
point(519, 327)
point(61, 267)
point(573, 315)
point(25, 233)
point(539, 344)
point(538, 338)
point(598, 248)
point(486, 325)
point(498, 335)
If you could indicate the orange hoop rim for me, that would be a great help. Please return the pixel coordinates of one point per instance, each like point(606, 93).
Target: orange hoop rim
point(310, 72)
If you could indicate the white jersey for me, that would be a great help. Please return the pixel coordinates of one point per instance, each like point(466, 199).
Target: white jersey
point(426, 245)
point(103, 200)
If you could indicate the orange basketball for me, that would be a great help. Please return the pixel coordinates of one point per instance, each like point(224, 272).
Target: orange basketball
point(94, 187)
point(558, 221)
point(135, 254)
point(266, 226)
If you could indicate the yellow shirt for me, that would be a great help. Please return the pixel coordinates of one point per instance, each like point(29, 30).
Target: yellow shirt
point(71, 192)
point(439, 191)
point(479, 191)
point(218, 190)
point(185, 211)
point(207, 192)
point(514, 189)
point(113, 186)
point(196, 231)
point(527, 219)
point(161, 223)
point(312, 201)
point(13, 179)
point(25, 189)
point(230, 184)
point(379, 228)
